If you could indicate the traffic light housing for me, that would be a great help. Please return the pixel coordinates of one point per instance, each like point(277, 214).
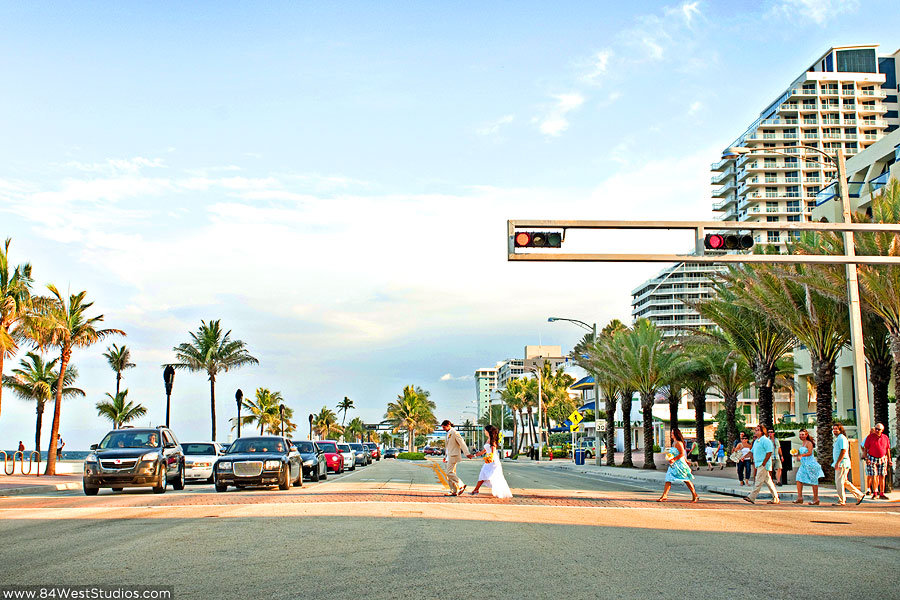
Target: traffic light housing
point(728, 241)
point(538, 239)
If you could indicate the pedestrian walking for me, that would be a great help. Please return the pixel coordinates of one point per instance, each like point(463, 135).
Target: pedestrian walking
point(694, 455)
point(841, 455)
point(810, 471)
point(877, 449)
point(720, 456)
point(710, 455)
point(492, 472)
point(60, 444)
point(21, 446)
point(678, 467)
point(762, 452)
point(776, 458)
point(456, 448)
point(741, 456)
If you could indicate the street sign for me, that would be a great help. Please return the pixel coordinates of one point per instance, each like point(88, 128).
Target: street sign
point(575, 418)
point(601, 426)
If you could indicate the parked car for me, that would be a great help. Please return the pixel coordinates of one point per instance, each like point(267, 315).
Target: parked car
point(373, 450)
point(363, 456)
point(349, 455)
point(314, 467)
point(391, 452)
point(259, 461)
point(589, 444)
point(135, 457)
point(430, 451)
point(199, 460)
point(223, 446)
point(334, 460)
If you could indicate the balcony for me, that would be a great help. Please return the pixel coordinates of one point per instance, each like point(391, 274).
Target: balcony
point(725, 189)
point(808, 121)
point(718, 166)
point(723, 203)
point(880, 181)
point(788, 106)
point(717, 179)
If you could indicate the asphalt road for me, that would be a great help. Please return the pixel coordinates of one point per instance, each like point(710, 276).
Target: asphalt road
point(387, 531)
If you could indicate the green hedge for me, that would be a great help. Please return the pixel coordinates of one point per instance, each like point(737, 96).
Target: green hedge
point(411, 456)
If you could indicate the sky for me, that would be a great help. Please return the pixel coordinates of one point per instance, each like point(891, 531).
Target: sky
point(333, 180)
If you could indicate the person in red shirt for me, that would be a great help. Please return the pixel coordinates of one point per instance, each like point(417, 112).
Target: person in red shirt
point(877, 448)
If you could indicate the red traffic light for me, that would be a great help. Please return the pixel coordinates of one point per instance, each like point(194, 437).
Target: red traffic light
point(714, 241)
point(730, 241)
point(538, 239)
point(523, 239)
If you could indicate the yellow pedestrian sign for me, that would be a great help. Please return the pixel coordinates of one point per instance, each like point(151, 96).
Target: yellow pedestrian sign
point(575, 418)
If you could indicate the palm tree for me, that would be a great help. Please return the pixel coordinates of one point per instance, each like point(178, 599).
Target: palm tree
point(325, 424)
point(35, 380)
point(555, 400)
point(514, 395)
point(817, 321)
point(730, 374)
point(627, 393)
point(119, 359)
point(62, 323)
point(412, 411)
point(697, 374)
point(119, 410)
point(212, 350)
point(15, 294)
point(877, 346)
point(264, 410)
point(750, 332)
point(646, 360)
point(343, 406)
point(355, 430)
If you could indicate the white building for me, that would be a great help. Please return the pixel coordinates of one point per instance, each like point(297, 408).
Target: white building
point(846, 99)
point(485, 384)
point(665, 299)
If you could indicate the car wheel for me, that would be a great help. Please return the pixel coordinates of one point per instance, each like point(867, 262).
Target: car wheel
point(90, 490)
point(211, 479)
point(324, 473)
point(299, 481)
point(284, 482)
point(178, 484)
point(162, 482)
point(220, 487)
point(314, 476)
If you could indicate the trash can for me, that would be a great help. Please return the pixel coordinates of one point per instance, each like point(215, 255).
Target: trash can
point(579, 456)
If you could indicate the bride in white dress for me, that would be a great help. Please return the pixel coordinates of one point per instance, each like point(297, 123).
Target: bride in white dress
point(492, 472)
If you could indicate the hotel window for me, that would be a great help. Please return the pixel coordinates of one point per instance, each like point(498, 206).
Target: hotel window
point(793, 218)
point(847, 89)
point(771, 219)
point(857, 61)
point(773, 237)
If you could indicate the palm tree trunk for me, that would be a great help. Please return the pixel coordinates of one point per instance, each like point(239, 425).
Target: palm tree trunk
point(531, 429)
point(610, 431)
point(647, 409)
point(731, 432)
point(118, 381)
point(524, 432)
point(765, 378)
point(699, 408)
point(38, 424)
point(880, 377)
point(626, 430)
point(823, 373)
point(412, 439)
point(895, 354)
point(212, 403)
point(673, 412)
point(65, 355)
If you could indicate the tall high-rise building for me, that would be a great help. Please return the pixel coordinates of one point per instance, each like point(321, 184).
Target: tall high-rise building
point(665, 299)
point(485, 383)
point(846, 99)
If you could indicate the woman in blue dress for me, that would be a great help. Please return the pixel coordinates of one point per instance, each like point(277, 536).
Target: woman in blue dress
point(810, 471)
point(678, 467)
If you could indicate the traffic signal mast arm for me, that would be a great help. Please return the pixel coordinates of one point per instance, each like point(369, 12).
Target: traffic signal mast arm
point(516, 228)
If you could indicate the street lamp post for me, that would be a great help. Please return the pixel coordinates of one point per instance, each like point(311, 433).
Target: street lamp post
point(168, 379)
point(860, 382)
point(281, 412)
point(239, 399)
point(598, 460)
point(311, 417)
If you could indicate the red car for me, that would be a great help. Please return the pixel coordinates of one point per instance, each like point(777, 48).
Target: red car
point(334, 460)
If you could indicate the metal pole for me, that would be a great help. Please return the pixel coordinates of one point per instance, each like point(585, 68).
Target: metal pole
point(540, 417)
point(238, 397)
point(598, 460)
point(860, 381)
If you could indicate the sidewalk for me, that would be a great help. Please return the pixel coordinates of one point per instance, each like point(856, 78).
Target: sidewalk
point(717, 481)
point(69, 478)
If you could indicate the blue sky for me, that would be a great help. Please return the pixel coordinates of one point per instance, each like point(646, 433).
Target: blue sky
point(333, 180)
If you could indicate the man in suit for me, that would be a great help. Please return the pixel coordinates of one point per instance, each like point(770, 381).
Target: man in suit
point(455, 448)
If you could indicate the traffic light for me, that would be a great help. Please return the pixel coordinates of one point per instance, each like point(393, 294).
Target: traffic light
point(538, 239)
point(728, 241)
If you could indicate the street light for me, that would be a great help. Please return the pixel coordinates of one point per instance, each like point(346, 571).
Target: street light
point(311, 417)
point(593, 329)
point(281, 411)
point(860, 382)
point(238, 398)
point(168, 379)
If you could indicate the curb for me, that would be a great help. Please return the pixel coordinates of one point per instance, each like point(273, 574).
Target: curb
point(39, 489)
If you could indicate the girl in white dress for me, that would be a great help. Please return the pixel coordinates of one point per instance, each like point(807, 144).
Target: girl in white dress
point(492, 472)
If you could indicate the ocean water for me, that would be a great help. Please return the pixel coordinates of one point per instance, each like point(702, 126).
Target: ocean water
point(66, 454)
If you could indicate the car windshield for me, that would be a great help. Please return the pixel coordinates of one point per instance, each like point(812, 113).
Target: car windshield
point(207, 449)
point(344, 447)
point(253, 445)
point(370, 445)
point(130, 439)
point(357, 446)
point(305, 447)
point(328, 446)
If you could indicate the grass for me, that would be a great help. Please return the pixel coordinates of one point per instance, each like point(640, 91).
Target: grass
point(411, 456)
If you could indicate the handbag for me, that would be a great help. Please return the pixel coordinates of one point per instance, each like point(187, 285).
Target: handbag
point(735, 456)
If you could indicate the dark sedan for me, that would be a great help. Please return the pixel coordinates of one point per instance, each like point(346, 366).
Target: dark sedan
point(391, 452)
point(259, 461)
point(373, 450)
point(363, 456)
point(314, 466)
point(135, 458)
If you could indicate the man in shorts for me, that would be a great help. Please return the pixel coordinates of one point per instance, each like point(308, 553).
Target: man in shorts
point(877, 449)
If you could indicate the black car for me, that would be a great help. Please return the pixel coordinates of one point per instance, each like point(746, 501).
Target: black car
point(133, 457)
point(314, 466)
point(391, 452)
point(259, 461)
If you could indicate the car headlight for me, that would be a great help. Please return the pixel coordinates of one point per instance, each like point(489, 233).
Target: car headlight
point(272, 465)
point(223, 465)
point(151, 456)
point(308, 463)
point(91, 458)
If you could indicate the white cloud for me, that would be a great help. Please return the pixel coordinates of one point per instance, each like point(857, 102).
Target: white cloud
point(492, 129)
point(555, 122)
point(598, 67)
point(695, 108)
point(450, 377)
point(817, 11)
